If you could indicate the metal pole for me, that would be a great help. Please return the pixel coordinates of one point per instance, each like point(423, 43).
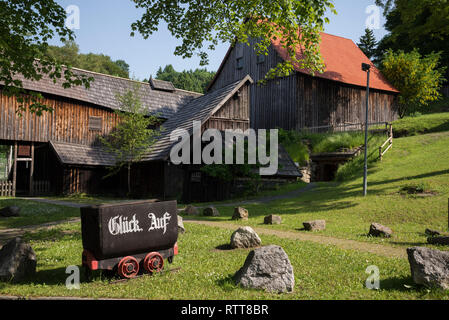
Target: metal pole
point(365, 173)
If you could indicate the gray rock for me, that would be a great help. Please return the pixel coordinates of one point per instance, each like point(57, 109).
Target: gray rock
point(245, 237)
point(429, 267)
point(11, 211)
point(432, 233)
point(191, 211)
point(181, 228)
point(378, 230)
point(17, 261)
point(267, 268)
point(444, 241)
point(272, 219)
point(316, 225)
point(211, 212)
point(240, 214)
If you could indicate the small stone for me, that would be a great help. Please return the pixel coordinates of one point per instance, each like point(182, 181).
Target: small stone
point(444, 241)
point(378, 230)
point(211, 212)
point(429, 267)
point(272, 219)
point(11, 211)
point(267, 268)
point(17, 261)
point(245, 237)
point(432, 233)
point(181, 228)
point(316, 225)
point(191, 211)
point(240, 214)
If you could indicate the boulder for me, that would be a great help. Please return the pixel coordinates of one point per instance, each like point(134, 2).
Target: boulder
point(267, 268)
point(316, 225)
point(181, 228)
point(429, 267)
point(17, 261)
point(444, 241)
point(191, 211)
point(432, 233)
point(272, 219)
point(378, 230)
point(245, 237)
point(211, 212)
point(11, 211)
point(240, 214)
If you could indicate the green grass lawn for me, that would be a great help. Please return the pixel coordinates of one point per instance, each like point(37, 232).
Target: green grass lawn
point(414, 161)
point(321, 272)
point(33, 213)
point(410, 126)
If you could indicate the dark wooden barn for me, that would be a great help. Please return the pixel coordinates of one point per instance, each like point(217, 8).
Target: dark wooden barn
point(59, 152)
point(301, 100)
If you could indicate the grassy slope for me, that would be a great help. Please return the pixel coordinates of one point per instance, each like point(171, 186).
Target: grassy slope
point(409, 126)
point(33, 213)
point(321, 272)
point(412, 161)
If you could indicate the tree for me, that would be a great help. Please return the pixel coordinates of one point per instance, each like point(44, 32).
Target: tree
point(368, 43)
point(133, 136)
point(191, 80)
point(69, 55)
point(420, 24)
point(202, 24)
point(418, 78)
point(26, 26)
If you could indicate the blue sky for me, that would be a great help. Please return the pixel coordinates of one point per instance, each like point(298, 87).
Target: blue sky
point(105, 27)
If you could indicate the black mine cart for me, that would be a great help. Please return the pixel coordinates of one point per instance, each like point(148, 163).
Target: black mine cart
point(129, 236)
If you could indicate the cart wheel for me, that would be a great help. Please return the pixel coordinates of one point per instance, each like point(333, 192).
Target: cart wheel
point(153, 262)
point(128, 267)
point(170, 259)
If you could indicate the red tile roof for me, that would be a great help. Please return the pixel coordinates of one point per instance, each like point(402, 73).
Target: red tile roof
point(343, 60)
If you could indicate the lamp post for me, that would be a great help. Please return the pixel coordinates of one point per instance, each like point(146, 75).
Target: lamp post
point(366, 67)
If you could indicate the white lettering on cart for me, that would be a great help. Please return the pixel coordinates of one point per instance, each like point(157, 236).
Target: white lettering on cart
point(120, 225)
point(159, 223)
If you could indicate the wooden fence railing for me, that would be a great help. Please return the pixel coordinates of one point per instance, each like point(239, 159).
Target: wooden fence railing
point(389, 141)
point(347, 126)
point(7, 189)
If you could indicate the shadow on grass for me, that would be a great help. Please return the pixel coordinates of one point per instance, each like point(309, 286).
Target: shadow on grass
point(398, 284)
point(227, 283)
point(224, 247)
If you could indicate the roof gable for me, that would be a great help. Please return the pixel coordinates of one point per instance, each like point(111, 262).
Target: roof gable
point(343, 60)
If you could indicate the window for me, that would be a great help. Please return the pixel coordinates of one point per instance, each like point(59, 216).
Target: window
point(239, 63)
point(95, 123)
point(261, 58)
point(195, 176)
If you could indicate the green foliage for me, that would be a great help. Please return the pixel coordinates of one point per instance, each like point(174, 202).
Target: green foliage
point(191, 80)
point(292, 141)
point(202, 24)
point(69, 55)
point(132, 137)
point(417, 78)
point(416, 24)
point(368, 43)
point(25, 29)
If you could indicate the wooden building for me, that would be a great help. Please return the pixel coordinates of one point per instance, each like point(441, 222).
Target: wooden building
point(59, 152)
point(302, 100)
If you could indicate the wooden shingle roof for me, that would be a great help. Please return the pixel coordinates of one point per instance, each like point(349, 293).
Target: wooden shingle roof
point(104, 88)
point(77, 154)
point(199, 109)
